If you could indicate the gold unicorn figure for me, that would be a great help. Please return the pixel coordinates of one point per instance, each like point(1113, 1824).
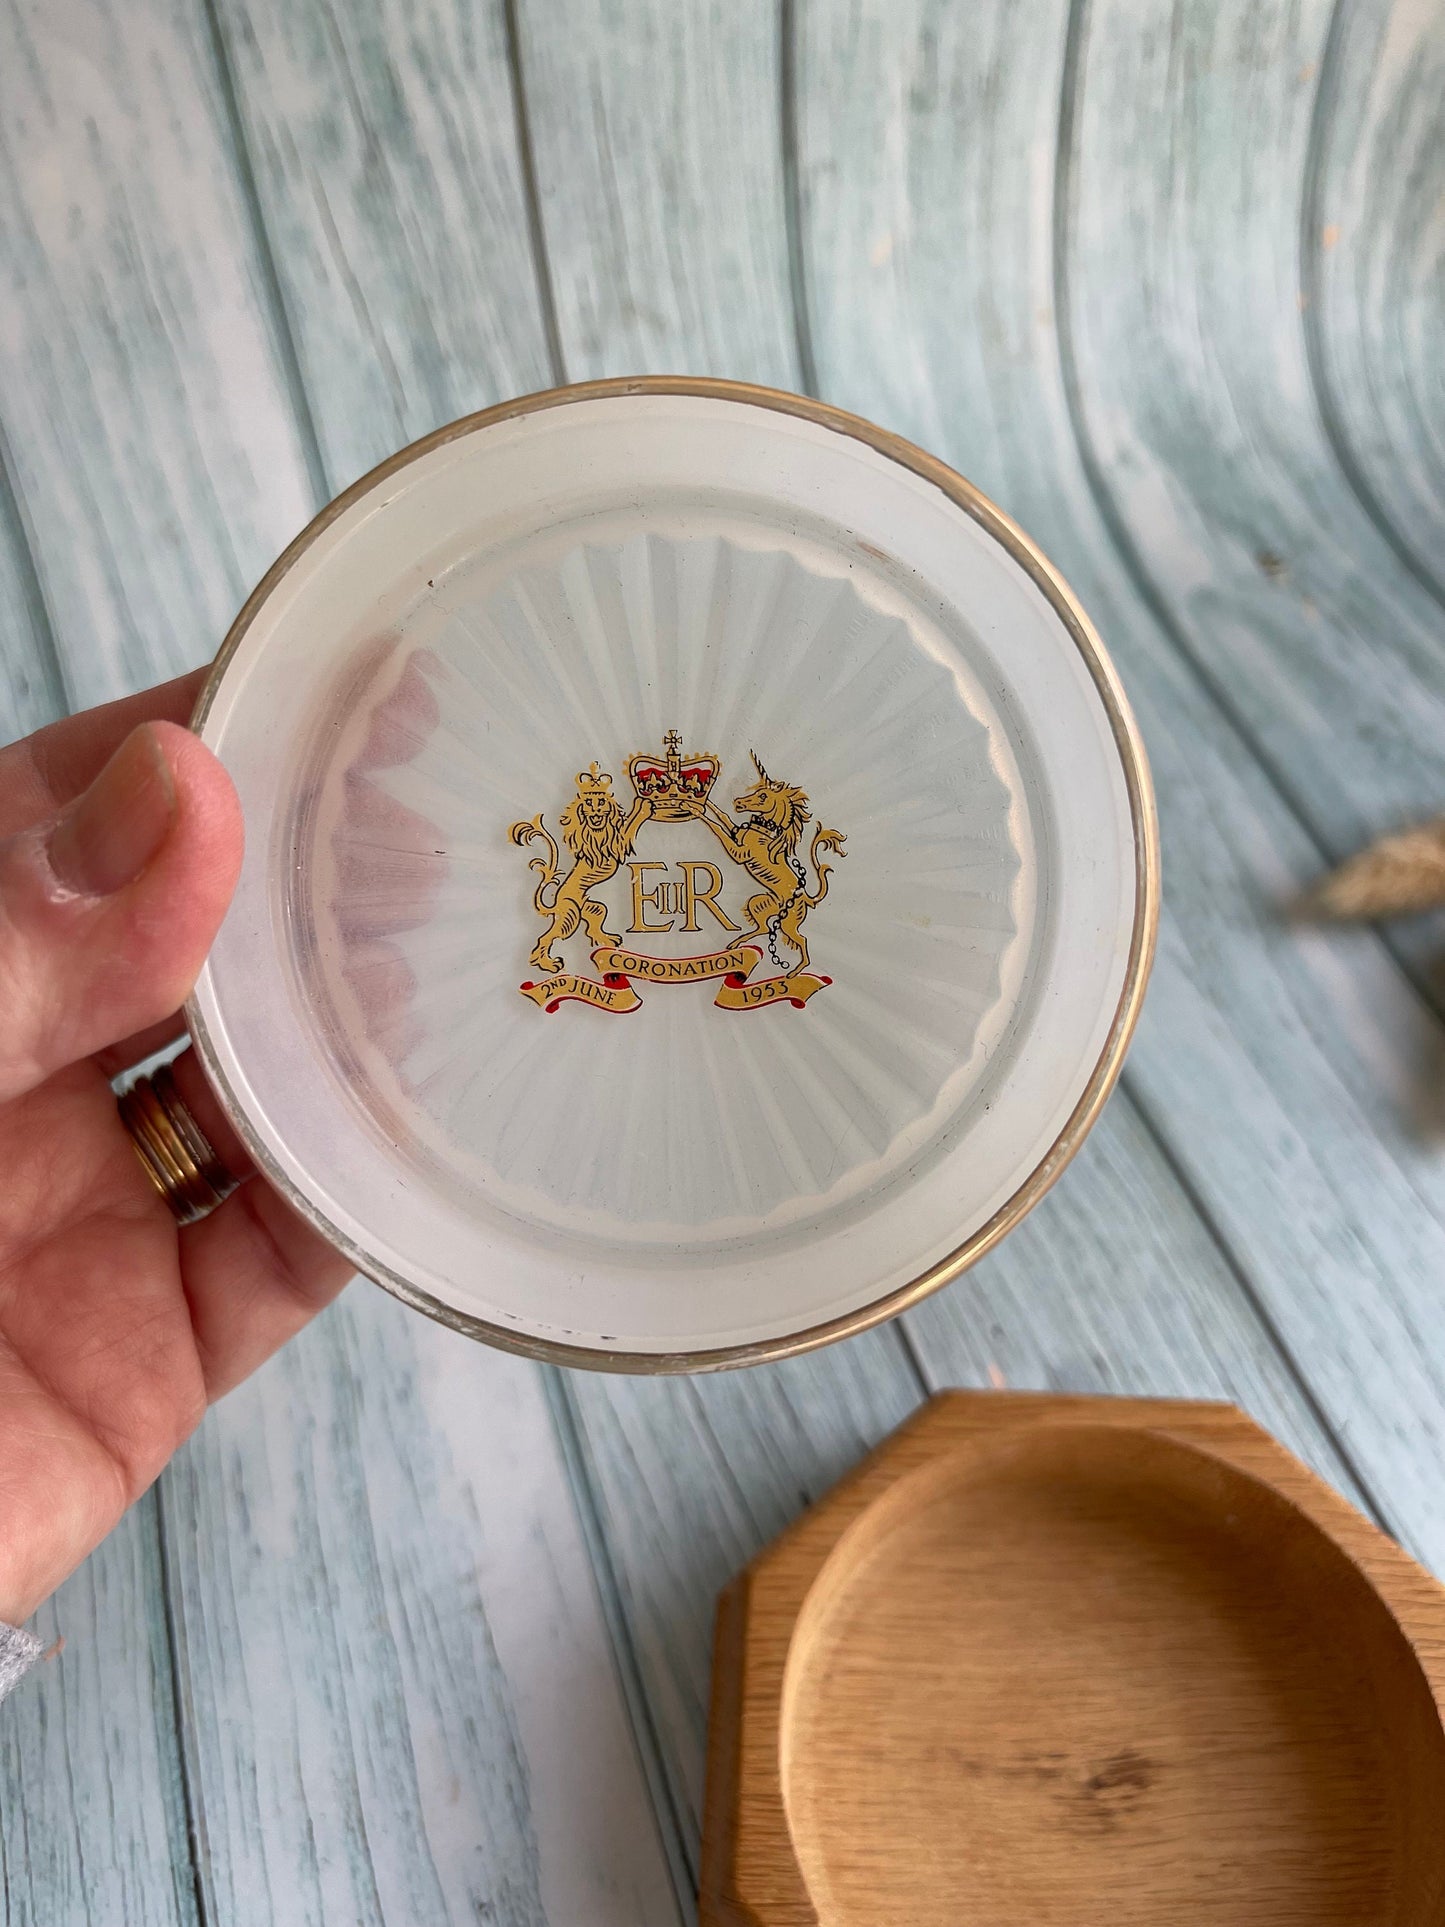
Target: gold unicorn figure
point(766, 845)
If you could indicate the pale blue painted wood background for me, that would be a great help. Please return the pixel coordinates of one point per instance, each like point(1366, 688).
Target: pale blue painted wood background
point(414, 1633)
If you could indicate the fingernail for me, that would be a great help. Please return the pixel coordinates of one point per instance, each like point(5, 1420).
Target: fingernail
point(107, 836)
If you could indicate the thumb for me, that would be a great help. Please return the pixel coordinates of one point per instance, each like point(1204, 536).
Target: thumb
point(107, 912)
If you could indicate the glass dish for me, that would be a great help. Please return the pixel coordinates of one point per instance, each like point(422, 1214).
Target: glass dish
point(700, 879)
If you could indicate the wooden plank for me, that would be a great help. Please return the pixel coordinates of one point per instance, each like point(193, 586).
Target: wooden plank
point(388, 178)
point(92, 1814)
point(152, 447)
point(657, 136)
point(690, 1478)
point(1372, 257)
point(402, 1702)
point(31, 690)
point(1280, 1070)
point(1197, 401)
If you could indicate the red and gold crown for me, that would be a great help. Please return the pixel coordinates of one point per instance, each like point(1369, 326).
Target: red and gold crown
point(674, 784)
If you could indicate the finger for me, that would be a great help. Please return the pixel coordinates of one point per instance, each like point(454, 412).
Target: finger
point(254, 1273)
point(47, 770)
point(106, 913)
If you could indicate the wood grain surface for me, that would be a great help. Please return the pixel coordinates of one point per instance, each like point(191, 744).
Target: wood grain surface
point(656, 134)
point(92, 1807)
point(1373, 255)
point(403, 1706)
point(413, 1633)
point(151, 441)
point(388, 185)
point(1267, 568)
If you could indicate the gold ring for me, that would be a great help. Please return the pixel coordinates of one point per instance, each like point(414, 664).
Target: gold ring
point(177, 1155)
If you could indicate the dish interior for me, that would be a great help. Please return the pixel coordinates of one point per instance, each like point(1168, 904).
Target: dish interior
point(502, 693)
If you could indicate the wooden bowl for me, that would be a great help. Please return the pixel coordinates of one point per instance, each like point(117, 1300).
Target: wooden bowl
point(1068, 1660)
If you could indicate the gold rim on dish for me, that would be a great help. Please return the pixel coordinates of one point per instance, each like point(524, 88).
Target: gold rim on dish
point(1146, 878)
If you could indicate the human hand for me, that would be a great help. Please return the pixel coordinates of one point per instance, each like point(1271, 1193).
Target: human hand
point(120, 843)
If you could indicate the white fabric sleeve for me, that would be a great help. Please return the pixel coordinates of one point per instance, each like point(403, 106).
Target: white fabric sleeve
point(19, 1651)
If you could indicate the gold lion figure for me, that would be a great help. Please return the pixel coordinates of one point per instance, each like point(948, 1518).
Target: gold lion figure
point(767, 847)
point(599, 837)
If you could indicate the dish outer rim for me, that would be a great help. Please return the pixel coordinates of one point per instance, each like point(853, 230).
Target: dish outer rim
point(1142, 813)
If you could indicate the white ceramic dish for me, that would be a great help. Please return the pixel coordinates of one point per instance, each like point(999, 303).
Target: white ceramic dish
point(755, 679)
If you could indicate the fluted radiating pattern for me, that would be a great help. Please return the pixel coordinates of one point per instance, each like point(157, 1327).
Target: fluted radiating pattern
point(680, 1116)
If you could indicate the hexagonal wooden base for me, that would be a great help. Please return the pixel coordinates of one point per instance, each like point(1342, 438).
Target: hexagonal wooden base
point(1047, 1661)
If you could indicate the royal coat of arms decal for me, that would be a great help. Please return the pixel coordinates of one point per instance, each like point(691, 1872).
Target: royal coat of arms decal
point(768, 963)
